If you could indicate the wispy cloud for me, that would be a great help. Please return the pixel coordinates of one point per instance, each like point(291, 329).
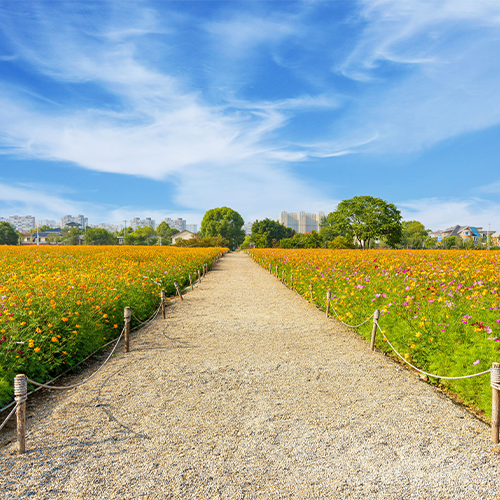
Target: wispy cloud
point(440, 213)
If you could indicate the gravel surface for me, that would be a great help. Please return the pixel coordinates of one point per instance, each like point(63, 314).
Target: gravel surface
point(247, 391)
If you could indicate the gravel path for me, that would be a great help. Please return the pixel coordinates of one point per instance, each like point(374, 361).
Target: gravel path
point(246, 391)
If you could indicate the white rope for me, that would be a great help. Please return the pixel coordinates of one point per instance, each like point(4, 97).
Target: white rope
point(351, 326)
point(430, 374)
point(87, 379)
point(18, 402)
point(148, 320)
point(495, 378)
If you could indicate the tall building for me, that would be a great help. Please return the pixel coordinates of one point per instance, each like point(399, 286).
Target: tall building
point(82, 221)
point(247, 227)
point(47, 222)
point(192, 227)
point(179, 223)
point(137, 222)
point(22, 224)
point(303, 222)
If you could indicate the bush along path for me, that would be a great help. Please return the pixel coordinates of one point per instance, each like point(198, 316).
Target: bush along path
point(247, 391)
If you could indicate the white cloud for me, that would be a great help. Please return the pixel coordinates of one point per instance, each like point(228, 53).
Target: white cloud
point(441, 213)
point(494, 187)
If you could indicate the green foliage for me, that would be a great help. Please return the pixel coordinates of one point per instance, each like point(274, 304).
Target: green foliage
point(452, 242)
point(125, 231)
point(365, 218)
point(8, 235)
point(268, 233)
point(141, 236)
point(311, 240)
point(72, 237)
point(165, 232)
point(99, 236)
point(414, 234)
point(214, 241)
point(224, 222)
point(341, 242)
point(327, 233)
point(40, 229)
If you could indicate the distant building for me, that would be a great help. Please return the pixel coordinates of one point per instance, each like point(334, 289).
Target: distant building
point(22, 224)
point(137, 222)
point(303, 222)
point(179, 223)
point(247, 227)
point(82, 221)
point(47, 222)
point(183, 235)
point(192, 227)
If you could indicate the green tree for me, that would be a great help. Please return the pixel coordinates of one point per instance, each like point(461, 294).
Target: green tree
point(213, 241)
point(365, 218)
point(268, 233)
point(165, 233)
point(224, 222)
point(310, 240)
point(414, 234)
point(40, 229)
point(340, 242)
point(125, 231)
point(73, 236)
point(8, 235)
point(451, 242)
point(327, 234)
point(141, 236)
point(99, 236)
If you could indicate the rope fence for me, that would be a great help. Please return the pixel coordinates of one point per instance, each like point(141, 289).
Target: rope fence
point(494, 371)
point(21, 381)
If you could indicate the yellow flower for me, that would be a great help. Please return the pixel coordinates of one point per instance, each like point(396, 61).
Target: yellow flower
point(65, 319)
point(115, 326)
point(54, 339)
point(431, 339)
point(38, 330)
point(37, 349)
point(23, 323)
point(412, 346)
point(418, 334)
point(64, 352)
point(421, 324)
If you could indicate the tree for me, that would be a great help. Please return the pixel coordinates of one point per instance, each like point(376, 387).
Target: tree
point(73, 236)
point(40, 229)
point(340, 242)
point(8, 235)
point(414, 234)
point(213, 241)
point(310, 240)
point(141, 236)
point(268, 233)
point(327, 233)
point(224, 222)
point(365, 218)
point(99, 236)
point(165, 233)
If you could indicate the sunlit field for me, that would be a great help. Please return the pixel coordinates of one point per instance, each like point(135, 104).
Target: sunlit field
point(440, 309)
point(58, 304)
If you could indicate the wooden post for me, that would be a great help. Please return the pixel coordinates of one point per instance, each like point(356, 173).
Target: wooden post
point(328, 298)
point(191, 282)
point(127, 314)
point(163, 304)
point(311, 292)
point(204, 270)
point(270, 269)
point(277, 272)
point(376, 316)
point(20, 391)
point(283, 276)
point(291, 281)
point(177, 288)
point(199, 276)
point(495, 402)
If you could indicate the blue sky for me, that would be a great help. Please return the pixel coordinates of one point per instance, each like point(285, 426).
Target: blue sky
point(122, 109)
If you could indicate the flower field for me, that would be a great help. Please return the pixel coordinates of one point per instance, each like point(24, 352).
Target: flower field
point(440, 309)
point(59, 304)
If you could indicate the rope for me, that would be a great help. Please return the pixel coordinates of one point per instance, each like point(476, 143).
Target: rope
point(351, 326)
point(18, 402)
point(87, 379)
point(497, 375)
point(495, 378)
point(148, 320)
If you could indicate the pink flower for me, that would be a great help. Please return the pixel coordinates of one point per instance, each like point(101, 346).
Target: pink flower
point(475, 362)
